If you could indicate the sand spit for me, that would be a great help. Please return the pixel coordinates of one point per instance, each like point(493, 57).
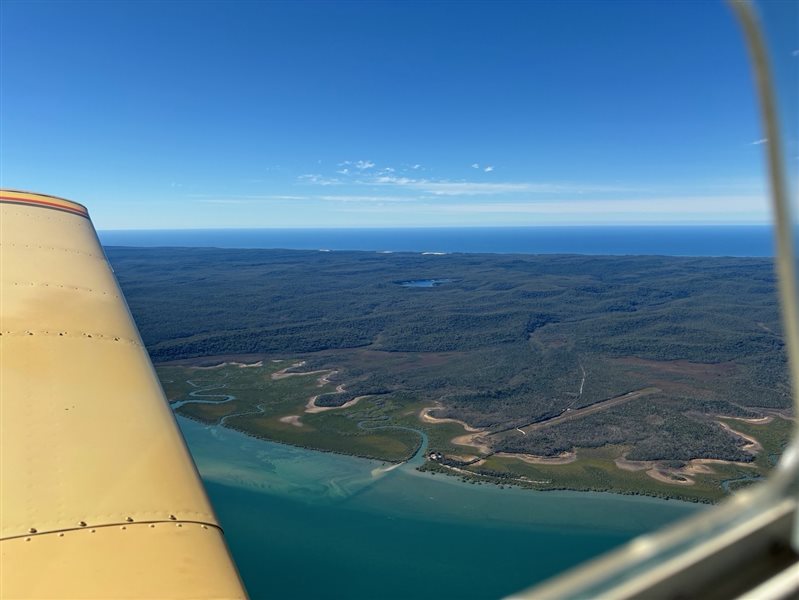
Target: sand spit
point(465, 458)
point(669, 476)
point(752, 445)
point(377, 472)
point(632, 465)
point(761, 421)
point(672, 476)
point(426, 417)
point(562, 459)
point(473, 440)
point(702, 465)
point(311, 406)
point(677, 476)
point(785, 414)
point(697, 466)
point(283, 373)
point(764, 420)
point(292, 419)
point(240, 365)
point(325, 379)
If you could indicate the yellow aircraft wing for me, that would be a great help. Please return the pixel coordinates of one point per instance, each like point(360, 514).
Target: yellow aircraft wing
point(99, 497)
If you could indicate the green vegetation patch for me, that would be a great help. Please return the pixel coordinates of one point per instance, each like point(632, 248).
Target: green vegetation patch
point(274, 408)
point(595, 470)
point(509, 343)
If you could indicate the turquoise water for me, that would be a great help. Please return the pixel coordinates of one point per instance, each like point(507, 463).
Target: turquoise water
point(306, 524)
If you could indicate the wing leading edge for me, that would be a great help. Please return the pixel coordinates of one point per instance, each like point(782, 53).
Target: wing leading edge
point(99, 497)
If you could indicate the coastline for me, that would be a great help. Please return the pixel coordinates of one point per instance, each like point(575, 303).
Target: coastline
point(676, 480)
point(370, 465)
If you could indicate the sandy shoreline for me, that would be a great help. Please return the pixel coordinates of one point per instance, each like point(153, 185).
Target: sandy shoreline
point(564, 458)
point(667, 476)
point(292, 419)
point(426, 417)
point(662, 475)
point(755, 421)
point(312, 408)
point(752, 445)
point(696, 466)
point(473, 440)
point(283, 373)
point(378, 471)
point(240, 365)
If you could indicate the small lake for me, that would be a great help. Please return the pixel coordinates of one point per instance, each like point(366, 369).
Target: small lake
point(424, 283)
point(307, 524)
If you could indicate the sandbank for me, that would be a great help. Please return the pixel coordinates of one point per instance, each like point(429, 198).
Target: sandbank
point(311, 406)
point(283, 373)
point(752, 445)
point(426, 417)
point(240, 365)
point(474, 440)
point(564, 458)
point(668, 477)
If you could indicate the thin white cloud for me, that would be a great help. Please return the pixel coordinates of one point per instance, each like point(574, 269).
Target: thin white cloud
point(357, 198)
point(343, 172)
point(226, 201)
point(477, 188)
point(694, 209)
point(391, 180)
point(470, 188)
point(363, 165)
point(720, 205)
point(239, 196)
point(255, 199)
point(475, 165)
point(795, 53)
point(488, 169)
point(416, 167)
point(243, 198)
point(318, 179)
point(760, 141)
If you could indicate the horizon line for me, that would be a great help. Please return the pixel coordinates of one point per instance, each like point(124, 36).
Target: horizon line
point(389, 227)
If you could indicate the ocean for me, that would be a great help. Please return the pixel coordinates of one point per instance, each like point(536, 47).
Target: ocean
point(755, 240)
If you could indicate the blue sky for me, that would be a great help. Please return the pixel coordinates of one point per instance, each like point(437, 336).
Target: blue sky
point(359, 114)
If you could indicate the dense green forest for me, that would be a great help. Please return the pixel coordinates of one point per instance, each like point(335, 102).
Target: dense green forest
point(507, 342)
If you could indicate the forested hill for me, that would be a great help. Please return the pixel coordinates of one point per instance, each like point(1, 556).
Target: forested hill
point(514, 333)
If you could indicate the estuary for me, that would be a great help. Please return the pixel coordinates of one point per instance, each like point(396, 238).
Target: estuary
point(308, 524)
